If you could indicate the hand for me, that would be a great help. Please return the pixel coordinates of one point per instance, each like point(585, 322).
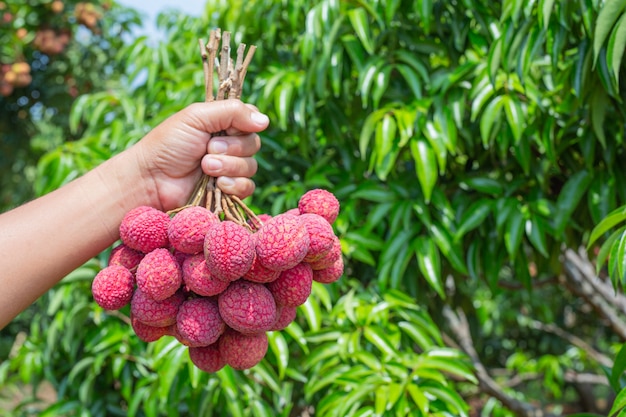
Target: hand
point(173, 155)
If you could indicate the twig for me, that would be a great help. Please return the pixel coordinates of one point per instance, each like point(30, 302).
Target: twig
point(460, 326)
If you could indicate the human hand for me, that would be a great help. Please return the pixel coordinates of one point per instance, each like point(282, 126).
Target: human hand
point(173, 155)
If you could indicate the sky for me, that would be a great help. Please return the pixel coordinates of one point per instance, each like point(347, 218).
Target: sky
point(151, 8)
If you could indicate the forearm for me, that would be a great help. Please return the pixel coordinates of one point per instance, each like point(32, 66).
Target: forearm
point(45, 239)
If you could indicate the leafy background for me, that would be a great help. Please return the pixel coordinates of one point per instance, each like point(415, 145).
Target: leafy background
point(474, 146)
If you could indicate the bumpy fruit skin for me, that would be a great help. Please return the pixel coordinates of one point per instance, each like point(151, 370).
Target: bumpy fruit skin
point(228, 250)
point(247, 307)
point(158, 275)
point(199, 279)
point(207, 358)
point(155, 313)
point(149, 333)
point(125, 256)
point(330, 258)
point(259, 273)
point(241, 351)
point(284, 317)
point(330, 274)
point(130, 217)
point(112, 287)
point(282, 242)
point(199, 321)
point(146, 230)
point(320, 202)
point(293, 286)
point(321, 236)
point(188, 228)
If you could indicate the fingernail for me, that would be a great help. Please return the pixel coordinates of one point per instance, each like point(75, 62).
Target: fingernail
point(218, 146)
point(227, 181)
point(214, 164)
point(259, 118)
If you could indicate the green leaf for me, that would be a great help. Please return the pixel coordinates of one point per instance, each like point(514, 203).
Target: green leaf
point(619, 366)
point(494, 59)
point(515, 116)
point(379, 339)
point(429, 263)
point(617, 43)
point(447, 246)
point(418, 397)
point(599, 103)
point(514, 232)
point(606, 247)
point(359, 21)
point(611, 220)
point(545, 10)
point(483, 185)
point(473, 216)
point(425, 165)
point(609, 13)
point(619, 403)
point(569, 198)
point(536, 232)
point(279, 347)
point(490, 115)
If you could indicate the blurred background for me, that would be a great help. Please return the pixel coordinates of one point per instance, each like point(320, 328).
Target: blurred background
point(477, 150)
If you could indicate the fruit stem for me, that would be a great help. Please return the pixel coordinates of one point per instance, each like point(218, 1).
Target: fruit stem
point(230, 85)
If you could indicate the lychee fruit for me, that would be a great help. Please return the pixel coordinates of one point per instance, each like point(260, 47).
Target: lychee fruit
point(112, 287)
point(242, 351)
point(155, 313)
point(284, 317)
point(199, 321)
point(199, 279)
point(293, 212)
point(330, 258)
point(188, 228)
point(125, 256)
point(145, 231)
point(247, 307)
point(229, 250)
point(207, 358)
point(149, 333)
point(293, 286)
point(259, 273)
point(158, 275)
point(321, 236)
point(330, 274)
point(282, 242)
point(320, 202)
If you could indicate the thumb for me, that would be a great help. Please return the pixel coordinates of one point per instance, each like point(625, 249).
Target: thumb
point(217, 116)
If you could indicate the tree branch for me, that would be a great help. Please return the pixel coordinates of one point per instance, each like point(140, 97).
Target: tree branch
point(460, 326)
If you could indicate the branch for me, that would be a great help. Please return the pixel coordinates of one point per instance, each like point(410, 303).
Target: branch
point(578, 283)
point(460, 326)
point(574, 340)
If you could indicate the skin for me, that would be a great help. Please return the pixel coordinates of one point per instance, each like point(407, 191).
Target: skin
point(44, 240)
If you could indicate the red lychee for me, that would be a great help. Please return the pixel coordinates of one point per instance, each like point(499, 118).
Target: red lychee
point(242, 351)
point(247, 307)
point(188, 228)
point(330, 258)
point(229, 250)
point(125, 256)
point(145, 231)
point(199, 279)
point(207, 358)
point(158, 275)
point(320, 202)
point(321, 236)
point(149, 333)
point(293, 212)
point(282, 242)
point(199, 321)
point(112, 287)
point(259, 273)
point(293, 286)
point(330, 274)
point(155, 313)
point(284, 317)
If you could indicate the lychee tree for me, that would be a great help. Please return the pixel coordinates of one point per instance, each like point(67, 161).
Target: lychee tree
point(473, 146)
point(51, 52)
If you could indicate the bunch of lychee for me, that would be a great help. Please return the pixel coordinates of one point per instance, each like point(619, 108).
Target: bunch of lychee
point(219, 285)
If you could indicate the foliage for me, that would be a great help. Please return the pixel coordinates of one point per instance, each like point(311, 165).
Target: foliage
point(67, 56)
point(470, 143)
